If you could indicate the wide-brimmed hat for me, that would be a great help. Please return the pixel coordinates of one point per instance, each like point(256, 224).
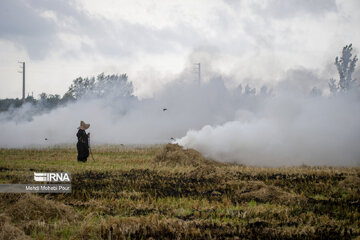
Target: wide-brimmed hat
point(84, 125)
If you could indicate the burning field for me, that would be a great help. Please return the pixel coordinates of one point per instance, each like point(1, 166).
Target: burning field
point(166, 192)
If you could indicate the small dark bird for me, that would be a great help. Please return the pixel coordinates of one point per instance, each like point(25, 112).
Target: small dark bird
point(173, 139)
point(164, 109)
point(45, 139)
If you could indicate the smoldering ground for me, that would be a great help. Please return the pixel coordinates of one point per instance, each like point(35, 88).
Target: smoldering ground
point(282, 127)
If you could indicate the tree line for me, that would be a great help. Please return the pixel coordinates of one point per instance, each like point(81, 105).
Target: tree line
point(102, 85)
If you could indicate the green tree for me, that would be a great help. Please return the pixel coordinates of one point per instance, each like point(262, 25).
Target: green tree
point(80, 87)
point(345, 66)
point(103, 85)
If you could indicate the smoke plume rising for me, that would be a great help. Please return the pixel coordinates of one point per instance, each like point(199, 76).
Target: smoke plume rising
point(283, 127)
point(287, 131)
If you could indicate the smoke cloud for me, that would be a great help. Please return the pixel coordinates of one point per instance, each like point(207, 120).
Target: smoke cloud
point(269, 128)
point(286, 131)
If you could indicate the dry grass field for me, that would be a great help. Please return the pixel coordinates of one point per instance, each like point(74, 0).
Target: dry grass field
point(165, 192)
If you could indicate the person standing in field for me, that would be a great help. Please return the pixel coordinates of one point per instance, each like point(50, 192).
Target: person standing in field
point(83, 142)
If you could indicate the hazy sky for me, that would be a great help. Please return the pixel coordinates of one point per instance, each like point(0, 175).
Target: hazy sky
point(153, 41)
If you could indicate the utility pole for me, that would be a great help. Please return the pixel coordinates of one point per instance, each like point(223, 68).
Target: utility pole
point(23, 72)
point(198, 70)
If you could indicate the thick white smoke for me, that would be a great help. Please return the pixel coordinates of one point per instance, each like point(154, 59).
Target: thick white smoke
point(287, 131)
point(282, 128)
point(123, 120)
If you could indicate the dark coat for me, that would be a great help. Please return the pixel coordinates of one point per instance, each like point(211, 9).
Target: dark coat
point(82, 145)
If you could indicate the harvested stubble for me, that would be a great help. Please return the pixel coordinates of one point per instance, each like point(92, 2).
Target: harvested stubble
point(33, 214)
point(172, 193)
point(260, 192)
point(174, 155)
point(9, 231)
